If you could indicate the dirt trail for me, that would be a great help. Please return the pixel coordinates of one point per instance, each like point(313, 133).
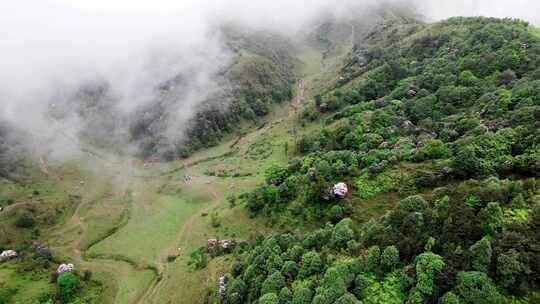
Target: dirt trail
point(8, 210)
point(297, 100)
point(182, 241)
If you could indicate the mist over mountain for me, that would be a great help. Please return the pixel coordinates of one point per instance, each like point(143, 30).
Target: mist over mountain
point(269, 152)
point(93, 72)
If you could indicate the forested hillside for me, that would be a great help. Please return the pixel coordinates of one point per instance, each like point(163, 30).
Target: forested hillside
point(261, 73)
point(373, 158)
point(434, 129)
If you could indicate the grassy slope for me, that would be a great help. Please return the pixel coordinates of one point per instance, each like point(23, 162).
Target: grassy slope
point(124, 234)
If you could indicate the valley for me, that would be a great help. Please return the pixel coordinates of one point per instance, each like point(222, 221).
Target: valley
point(382, 159)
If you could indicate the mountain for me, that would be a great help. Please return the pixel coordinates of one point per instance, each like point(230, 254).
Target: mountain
point(372, 158)
point(433, 128)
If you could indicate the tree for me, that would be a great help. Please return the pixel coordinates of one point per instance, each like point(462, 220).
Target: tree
point(389, 257)
point(290, 269)
point(373, 257)
point(428, 265)
point(275, 174)
point(481, 255)
point(303, 293)
point(68, 286)
point(347, 299)
point(269, 298)
point(342, 233)
point(415, 203)
point(236, 291)
point(273, 283)
point(510, 268)
point(491, 218)
point(336, 213)
point(311, 264)
point(450, 298)
point(285, 296)
point(476, 287)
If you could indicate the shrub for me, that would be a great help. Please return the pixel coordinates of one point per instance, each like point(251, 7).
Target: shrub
point(311, 264)
point(433, 149)
point(269, 298)
point(342, 234)
point(389, 257)
point(428, 265)
point(481, 255)
point(476, 287)
point(68, 286)
point(25, 220)
point(87, 275)
point(273, 283)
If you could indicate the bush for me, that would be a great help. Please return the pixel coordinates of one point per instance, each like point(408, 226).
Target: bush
point(389, 257)
point(311, 264)
point(273, 283)
point(87, 275)
point(433, 149)
point(476, 287)
point(428, 265)
point(25, 220)
point(342, 234)
point(336, 213)
point(269, 298)
point(68, 286)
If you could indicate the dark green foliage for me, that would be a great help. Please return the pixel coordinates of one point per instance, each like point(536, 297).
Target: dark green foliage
point(476, 287)
point(311, 264)
point(428, 265)
point(68, 286)
point(389, 257)
point(342, 234)
point(273, 284)
point(25, 220)
point(441, 121)
point(269, 298)
point(481, 255)
point(290, 269)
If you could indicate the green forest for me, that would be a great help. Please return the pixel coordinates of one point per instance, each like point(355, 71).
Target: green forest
point(442, 121)
point(376, 159)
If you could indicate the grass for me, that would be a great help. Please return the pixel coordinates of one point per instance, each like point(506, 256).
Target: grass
point(124, 233)
point(155, 222)
point(23, 289)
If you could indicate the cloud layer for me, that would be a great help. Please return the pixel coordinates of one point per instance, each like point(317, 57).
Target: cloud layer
point(49, 47)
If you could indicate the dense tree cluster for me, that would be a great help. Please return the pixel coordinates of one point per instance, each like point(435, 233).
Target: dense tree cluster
point(444, 114)
point(465, 244)
point(447, 120)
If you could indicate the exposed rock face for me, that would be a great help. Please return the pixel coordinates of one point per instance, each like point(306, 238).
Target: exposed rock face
point(65, 268)
point(340, 190)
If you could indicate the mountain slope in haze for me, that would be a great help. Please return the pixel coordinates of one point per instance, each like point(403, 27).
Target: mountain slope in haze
point(188, 112)
point(434, 128)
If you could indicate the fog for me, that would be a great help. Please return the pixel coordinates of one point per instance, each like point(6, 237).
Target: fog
point(49, 48)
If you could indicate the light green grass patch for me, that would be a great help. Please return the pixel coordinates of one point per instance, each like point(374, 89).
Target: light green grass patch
point(155, 222)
